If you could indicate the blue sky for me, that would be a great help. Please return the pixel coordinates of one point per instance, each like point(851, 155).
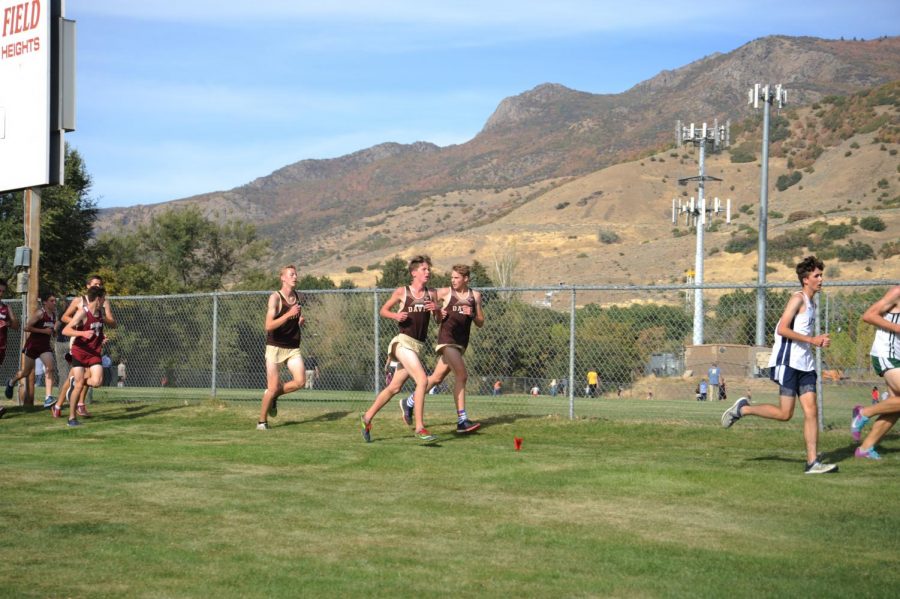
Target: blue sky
point(177, 98)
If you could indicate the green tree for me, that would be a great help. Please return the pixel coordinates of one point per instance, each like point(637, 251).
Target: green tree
point(394, 273)
point(181, 250)
point(67, 221)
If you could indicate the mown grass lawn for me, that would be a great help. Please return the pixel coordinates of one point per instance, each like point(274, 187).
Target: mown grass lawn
point(647, 499)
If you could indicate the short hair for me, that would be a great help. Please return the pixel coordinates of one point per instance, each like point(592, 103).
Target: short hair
point(46, 294)
point(92, 277)
point(95, 291)
point(417, 261)
point(462, 269)
point(808, 265)
point(284, 268)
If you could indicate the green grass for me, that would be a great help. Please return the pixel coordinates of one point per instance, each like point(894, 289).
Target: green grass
point(182, 497)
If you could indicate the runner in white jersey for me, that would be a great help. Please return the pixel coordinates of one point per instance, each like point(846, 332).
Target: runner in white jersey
point(792, 365)
point(885, 316)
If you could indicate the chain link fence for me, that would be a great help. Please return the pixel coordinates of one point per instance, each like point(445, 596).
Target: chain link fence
point(538, 342)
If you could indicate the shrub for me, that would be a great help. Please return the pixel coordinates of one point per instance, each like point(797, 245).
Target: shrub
point(883, 183)
point(890, 249)
point(606, 236)
point(799, 215)
point(741, 244)
point(854, 251)
point(353, 269)
point(872, 223)
point(785, 181)
point(562, 205)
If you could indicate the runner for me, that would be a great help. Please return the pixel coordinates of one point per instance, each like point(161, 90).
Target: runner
point(461, 308)
point(41, 326)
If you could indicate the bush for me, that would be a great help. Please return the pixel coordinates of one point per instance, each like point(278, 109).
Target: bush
point(562, 205)
point(799, 215)
point(606, 236)
point(855, 251)
point(785, 181)
point(872, 223)
point(741, 244)
point(353, 269)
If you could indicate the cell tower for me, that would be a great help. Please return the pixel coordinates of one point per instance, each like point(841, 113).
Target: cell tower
point(716, 138)
point(769, 95)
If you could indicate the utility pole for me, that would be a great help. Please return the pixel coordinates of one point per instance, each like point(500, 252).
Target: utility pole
point(716, 137)
point(768, 95)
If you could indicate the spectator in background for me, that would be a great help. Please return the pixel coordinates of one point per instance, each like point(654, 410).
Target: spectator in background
point(535, 390)
point(106, 363)
point(312, 371)
point(875, 395)
point(553, 387)
point(498, 387)
point(714, 380)
point(592, 378)
point(120, 369)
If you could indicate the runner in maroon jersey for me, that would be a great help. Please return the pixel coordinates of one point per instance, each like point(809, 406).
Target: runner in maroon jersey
point(417, 304)
point(283, 321)
point(461, 307)
point(7, 321)
point(87, 329)
point(41, 326)
point(76, 304)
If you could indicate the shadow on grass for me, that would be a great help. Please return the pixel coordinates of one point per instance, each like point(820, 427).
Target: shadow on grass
point(139, 411)
point(504, 419)
point(327, 417)
point(776, 458)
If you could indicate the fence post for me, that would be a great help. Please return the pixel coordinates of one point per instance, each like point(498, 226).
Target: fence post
point(377, 328)
point(819, 386)
point(215, 340)
point(572, 356)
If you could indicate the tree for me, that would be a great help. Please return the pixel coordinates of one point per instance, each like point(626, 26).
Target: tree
point(181, 250)
point(67, 222)
point(394, 273)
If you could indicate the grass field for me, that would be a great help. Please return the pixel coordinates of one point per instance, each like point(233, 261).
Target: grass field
point(181, 497)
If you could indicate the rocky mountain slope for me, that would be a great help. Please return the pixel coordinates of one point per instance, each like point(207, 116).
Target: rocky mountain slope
point(535, 177)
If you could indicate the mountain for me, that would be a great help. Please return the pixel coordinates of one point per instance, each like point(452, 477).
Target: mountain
point(532, 142)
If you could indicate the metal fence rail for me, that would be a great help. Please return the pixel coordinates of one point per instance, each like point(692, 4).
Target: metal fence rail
point(213, 344)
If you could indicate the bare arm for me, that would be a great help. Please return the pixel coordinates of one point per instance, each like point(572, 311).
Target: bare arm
point(790, 311)
point(31, 325)
point(387, 311)
point(875, 314)
point(12, 322)
point(71, 330)
point(109, 321)
point(479, 312)
point(74, 305)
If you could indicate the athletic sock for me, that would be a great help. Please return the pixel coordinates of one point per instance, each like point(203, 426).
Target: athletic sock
point(410, 402)
point(461, 416)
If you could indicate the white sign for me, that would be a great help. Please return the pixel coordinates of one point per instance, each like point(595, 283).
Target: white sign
point(24, 93)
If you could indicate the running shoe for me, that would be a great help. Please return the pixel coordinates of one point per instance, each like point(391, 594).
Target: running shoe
point(734, 412)
point(9, 388)
point(55, 411)
point(818, 467)
point(49, 401)
point(366, 428)
point(81, 410)
point(262, 426)
point(273, 408)
point(467, 426)
point(869, 454)
point(73, 423)
point(857, 422)
point(407, 411)
point(424, 436)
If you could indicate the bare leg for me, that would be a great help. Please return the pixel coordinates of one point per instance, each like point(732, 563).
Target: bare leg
point(886, 419)
point(387, 393)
